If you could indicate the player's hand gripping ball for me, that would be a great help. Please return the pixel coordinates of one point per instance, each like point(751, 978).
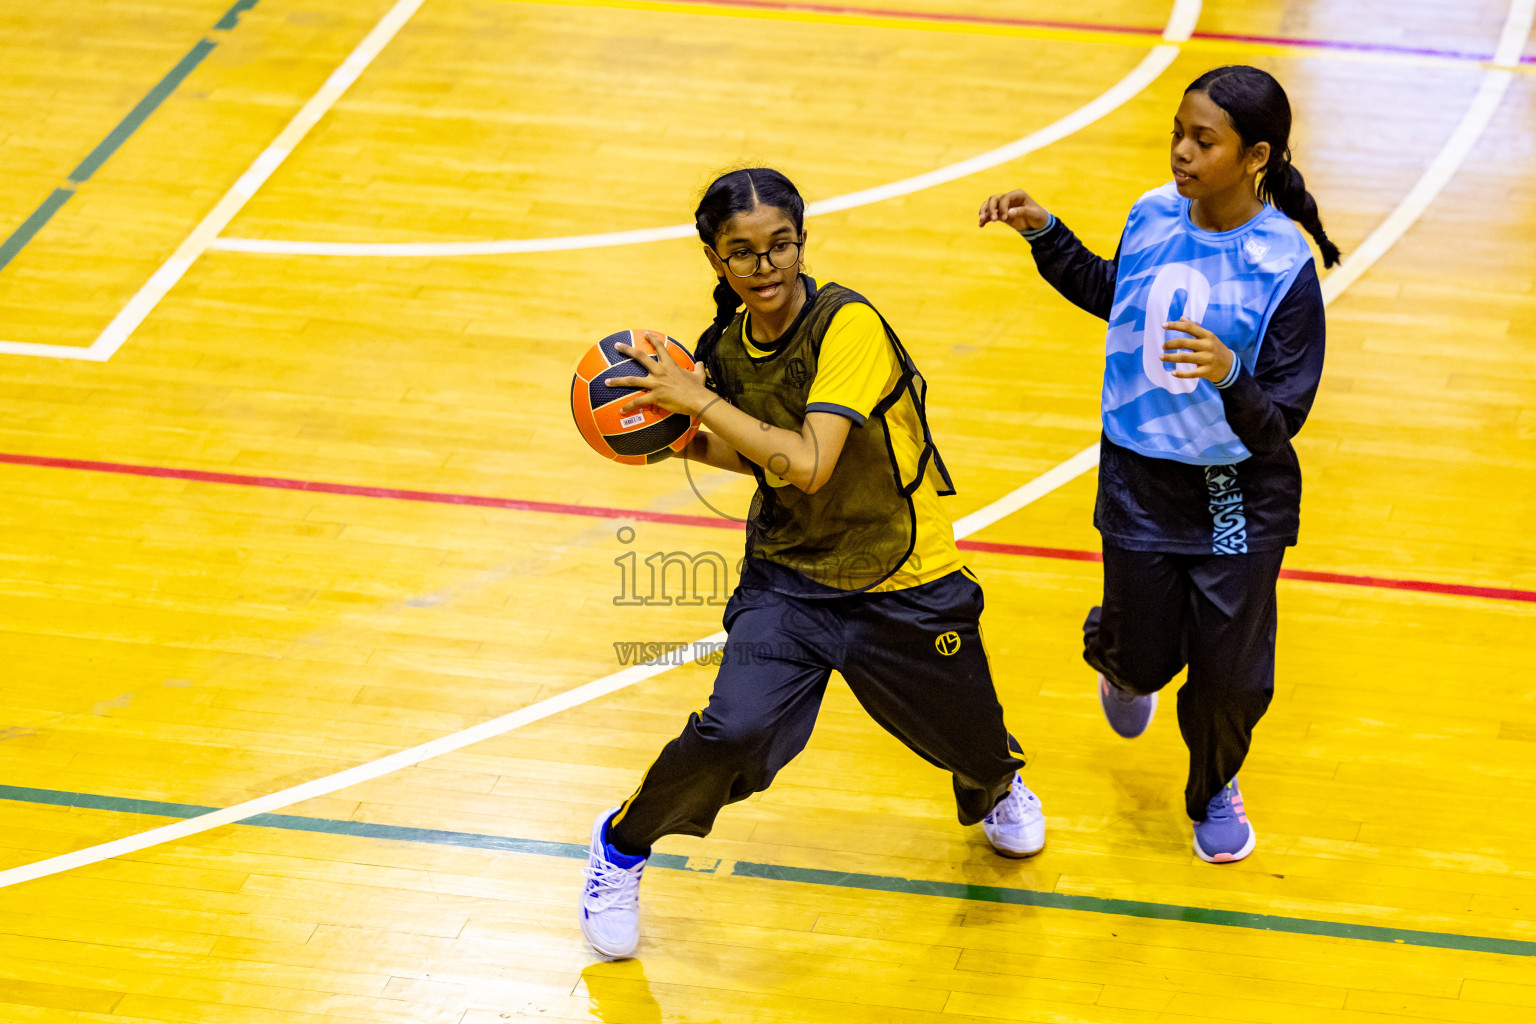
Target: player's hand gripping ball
point(648, 434)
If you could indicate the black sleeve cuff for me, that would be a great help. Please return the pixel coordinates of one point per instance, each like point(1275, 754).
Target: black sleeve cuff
point(840, 410)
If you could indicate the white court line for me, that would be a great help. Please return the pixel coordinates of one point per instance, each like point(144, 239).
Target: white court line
point(1181, 22)
point(163, 280)
point(1490, 93)
point(1517, 27)
point(1039, 487)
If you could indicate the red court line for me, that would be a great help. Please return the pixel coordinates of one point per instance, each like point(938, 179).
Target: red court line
point(1067, 554)
point(673, 518)
point(1303, 575)
point(1081, 26)
point(1421, 586)
point(319, 487)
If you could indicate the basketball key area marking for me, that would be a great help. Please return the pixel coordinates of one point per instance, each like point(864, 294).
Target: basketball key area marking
point(808, 876)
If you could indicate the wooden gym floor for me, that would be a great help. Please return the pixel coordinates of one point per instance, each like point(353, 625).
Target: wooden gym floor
point(281, 504)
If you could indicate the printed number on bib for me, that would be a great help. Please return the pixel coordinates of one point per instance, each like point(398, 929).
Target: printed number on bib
point(1171, 279)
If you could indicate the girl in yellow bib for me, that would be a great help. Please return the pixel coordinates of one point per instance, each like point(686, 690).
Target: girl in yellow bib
point(851, 565)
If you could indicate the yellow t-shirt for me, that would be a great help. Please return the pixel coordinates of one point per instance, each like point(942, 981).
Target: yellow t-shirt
point(857, 367)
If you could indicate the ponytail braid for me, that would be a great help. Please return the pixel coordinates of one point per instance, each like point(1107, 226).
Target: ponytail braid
point(1260, 111)
point(1285, 189)
point(726, 301)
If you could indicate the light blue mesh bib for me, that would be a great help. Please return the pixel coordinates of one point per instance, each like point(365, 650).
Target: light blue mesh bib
point(1230, 283)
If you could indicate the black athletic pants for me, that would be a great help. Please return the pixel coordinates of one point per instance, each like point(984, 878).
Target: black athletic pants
point(912, 657)
point(1214, 613)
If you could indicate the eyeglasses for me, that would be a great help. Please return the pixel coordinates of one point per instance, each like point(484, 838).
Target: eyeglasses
point(781, 256)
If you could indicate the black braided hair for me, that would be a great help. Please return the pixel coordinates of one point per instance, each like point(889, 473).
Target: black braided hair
point(1260, 112)
point(732, 193)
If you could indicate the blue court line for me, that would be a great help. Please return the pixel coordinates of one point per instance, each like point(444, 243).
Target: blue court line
point(118, 135)
point(811, 876)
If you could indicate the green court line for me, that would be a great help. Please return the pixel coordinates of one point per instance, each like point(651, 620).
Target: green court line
point(232, 16)
point(331, 826)
point(33, 224)
point(118, 135)
point(1138, 908)
point(808, 876)
point(141, 111)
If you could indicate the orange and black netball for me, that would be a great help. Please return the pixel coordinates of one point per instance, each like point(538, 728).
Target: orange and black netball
point(641, 436)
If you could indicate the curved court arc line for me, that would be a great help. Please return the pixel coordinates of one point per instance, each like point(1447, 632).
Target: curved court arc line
point(1516, 28)
point(1181, 23)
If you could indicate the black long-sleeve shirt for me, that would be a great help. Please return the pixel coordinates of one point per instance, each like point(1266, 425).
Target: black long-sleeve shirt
point(1149, 504)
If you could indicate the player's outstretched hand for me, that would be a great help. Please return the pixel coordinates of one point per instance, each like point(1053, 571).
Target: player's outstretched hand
point(1204, 355)
point(666, 384)
point(1016, 209)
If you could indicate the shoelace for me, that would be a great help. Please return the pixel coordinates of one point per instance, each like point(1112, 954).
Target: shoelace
point(1012, 810)
point(609, 885)
point(1221, 805)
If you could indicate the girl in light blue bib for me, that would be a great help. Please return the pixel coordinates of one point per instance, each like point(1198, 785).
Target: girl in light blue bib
point(1211, 362)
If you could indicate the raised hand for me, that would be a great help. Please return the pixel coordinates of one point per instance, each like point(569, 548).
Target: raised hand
point(1016, 209)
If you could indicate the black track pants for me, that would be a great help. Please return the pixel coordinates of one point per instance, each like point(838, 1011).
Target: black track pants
point(912, 657)
point(1214, 613)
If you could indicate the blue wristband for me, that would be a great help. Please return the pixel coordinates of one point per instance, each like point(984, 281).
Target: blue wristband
point(1031, 234)
point(1231, 377)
